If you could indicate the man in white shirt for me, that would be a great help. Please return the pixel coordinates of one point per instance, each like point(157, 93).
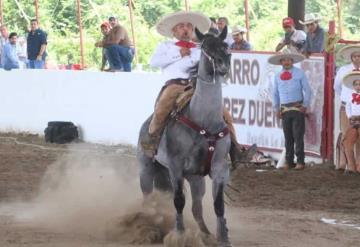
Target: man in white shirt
point(352, 82)
point(352, 54)
point(293, 39)
point(176, 58)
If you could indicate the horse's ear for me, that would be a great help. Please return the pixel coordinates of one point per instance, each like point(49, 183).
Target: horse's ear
point(223, 34)
point(199, 34)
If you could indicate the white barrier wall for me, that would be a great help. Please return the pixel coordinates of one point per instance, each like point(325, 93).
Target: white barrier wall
point(108, 107)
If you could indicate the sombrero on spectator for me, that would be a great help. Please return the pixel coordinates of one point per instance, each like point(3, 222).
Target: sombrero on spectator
point(310, 18)
point(168, 22)
point(346, 51)
point(238, 29)
point(296, 57)
point(350, 78)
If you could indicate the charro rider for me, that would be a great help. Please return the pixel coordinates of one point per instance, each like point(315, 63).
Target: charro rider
point(176, 58)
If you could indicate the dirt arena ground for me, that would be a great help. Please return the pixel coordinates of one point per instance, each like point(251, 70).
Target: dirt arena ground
point(78, 195)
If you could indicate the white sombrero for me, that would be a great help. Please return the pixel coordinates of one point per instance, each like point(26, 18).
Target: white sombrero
point(346, 51)
point(296, 57)
point(310, 18)
point(349, 79)
point(237, 30)
point(168, 22)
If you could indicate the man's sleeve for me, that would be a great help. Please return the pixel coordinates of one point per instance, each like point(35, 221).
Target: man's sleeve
point(338, 81)
point(43, 40)
point(307, 90)
point(306, 46)
point(164, 55)
point(348, 109)
point(320, 41)
point(276, 97)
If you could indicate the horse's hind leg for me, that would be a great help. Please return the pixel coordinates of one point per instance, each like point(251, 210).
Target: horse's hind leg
point(197, 186)
point(147, 174)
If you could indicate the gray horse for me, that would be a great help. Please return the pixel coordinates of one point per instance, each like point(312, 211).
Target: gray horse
point(195, 143)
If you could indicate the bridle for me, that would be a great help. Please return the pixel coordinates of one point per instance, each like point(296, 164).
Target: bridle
point(211, 60)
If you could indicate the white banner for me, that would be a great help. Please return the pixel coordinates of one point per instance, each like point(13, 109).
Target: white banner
point(248, 96)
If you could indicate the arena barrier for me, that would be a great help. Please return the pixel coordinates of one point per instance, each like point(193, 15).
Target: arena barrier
point(110, 107)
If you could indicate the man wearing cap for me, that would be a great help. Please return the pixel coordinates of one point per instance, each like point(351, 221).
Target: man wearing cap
point(117, 46)
point(350, 53)
point(352, 134)
point(291, 98)
point(293, 39)
point(239, 44)
point(314, 36)
point(176, 58)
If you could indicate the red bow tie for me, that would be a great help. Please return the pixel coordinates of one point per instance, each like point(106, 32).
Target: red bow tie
point(285, 76)
point(185, 44)
point(356, 98)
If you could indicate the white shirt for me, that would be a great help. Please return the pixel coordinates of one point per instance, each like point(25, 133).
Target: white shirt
point(3, 41)
point(296, 37)
point(167, 57)
point(352, 109)
point(340, 89)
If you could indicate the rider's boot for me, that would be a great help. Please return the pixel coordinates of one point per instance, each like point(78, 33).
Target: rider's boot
point(163, 108)
point(238, 153)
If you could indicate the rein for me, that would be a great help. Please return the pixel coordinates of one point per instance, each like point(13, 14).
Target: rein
point(212, 61)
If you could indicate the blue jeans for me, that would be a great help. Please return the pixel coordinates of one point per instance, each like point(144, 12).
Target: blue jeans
point(119, 57)
point(36, 64)
point(10, 66)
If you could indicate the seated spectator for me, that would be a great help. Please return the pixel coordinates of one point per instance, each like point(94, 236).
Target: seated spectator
point(4, 38)
point(21, 49)
point(314, 36)
point(9, 56)
point(293, 39)
point(118, 47)
point(105, 29)
point(239, 44)
point(221, 24)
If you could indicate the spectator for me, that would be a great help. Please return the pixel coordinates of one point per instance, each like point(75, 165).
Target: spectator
point(293, 39)
point(240, 44)
point(105, 29)
point(21, 49)
point(9, 58)
point(36, 46)
point(352, 134)
point(291, 98)
point(117, 47)
point(221, 24)
point(4, 38)
point(350, 53)
point(314, 36)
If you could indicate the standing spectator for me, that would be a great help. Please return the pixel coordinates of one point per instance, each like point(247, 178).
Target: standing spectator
point(293, 39)
point(221, 24)
point(314, 36)
point(291, 98)
point(117, 47)
point(36, 46)
point(9, 56)
point(105, 29)
point(352, 134)
point(21, 49)
point(350, 53)
point(4, 38)
point(240, 44)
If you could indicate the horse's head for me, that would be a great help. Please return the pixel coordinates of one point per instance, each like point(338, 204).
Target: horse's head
point(215, 53)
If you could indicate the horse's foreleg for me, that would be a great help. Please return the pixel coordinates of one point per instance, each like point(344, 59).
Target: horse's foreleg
point(219, 182)
point(179, 202)
point(197, 186)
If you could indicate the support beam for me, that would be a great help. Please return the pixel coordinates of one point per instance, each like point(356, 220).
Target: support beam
point(187, 8)
point(37, 10)
point(296, 10)
point(82, 60)
point(131, 7)
point(339, 14)
point(1, 13)
point(247, 19)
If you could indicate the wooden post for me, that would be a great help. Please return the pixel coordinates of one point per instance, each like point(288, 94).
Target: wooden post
point(296, 10)
point(131, 6)
point(82, 60)
point(247, 19)
point(1, 13)
point(37, 10)
point(187, 8)
point(340, 23)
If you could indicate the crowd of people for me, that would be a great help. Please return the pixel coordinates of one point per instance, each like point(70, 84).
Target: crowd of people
point(23, 52)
